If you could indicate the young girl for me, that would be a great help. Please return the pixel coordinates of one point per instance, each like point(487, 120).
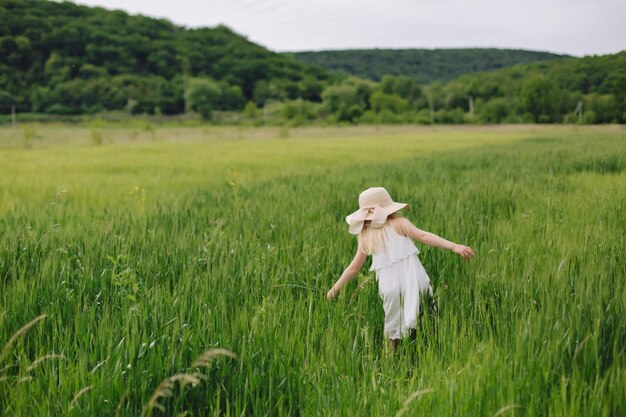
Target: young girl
point(400, 275)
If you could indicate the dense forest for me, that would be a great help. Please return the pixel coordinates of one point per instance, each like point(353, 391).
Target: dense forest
point(66, 59)
point(589, 90)
point(423, 65)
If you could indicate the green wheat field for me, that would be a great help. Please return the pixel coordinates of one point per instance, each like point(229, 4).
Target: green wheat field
point(182, 271)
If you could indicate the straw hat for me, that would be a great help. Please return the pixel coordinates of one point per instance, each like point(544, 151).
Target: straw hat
point(375, 204)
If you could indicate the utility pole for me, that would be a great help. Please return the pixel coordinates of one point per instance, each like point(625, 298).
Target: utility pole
point(186, 73)
point(185, 97)
point(579, 111)
point(13, 117)
point(432, 112)
point(471, 106)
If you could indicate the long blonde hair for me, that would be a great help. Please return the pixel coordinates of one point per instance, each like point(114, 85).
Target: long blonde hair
point(371, 240)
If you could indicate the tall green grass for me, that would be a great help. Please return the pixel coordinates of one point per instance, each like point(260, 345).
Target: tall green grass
point(143, 255)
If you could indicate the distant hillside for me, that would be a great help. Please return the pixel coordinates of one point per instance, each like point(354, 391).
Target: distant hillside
point(59, 57)
point(543, 92)
point(423, 65)
point(65, 59)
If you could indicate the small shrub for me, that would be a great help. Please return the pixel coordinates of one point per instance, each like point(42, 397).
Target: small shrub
point(283, 132)
point(28, 134)
point(96, 137)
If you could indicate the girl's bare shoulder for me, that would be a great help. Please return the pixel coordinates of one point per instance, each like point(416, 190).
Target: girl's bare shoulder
point(401, 225)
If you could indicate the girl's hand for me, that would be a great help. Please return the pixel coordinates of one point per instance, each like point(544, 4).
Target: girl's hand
point(331, 294)
point(464, 251)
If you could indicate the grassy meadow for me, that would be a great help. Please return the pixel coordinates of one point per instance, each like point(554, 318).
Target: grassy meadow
point(131, 251)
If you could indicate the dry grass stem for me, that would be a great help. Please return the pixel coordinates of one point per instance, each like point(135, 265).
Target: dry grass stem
point(580, 346)
point(505, 409)
point(411, 398)
point(78, 395)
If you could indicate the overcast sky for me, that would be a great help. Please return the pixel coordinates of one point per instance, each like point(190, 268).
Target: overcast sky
point(576, 27)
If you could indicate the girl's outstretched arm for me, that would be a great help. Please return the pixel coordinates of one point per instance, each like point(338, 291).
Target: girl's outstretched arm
point(348, 274)
point(432, 239)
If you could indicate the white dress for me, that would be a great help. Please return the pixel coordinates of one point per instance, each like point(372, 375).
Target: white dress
point(402, 280)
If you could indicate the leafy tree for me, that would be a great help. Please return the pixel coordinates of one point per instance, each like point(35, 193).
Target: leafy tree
point(266, 91)
point(456, 95)
point(339, 98)
point(350, 114)
point(388, 102)
point(203, 95)
point(311, 89)
point(496, 110)
point(250, 110)
point(299, 111)
point(402, 86)
point(602, 108)
point(231, 97)
point(541, 97)
point(91, 71)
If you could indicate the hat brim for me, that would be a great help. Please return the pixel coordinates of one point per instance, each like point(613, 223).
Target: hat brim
point(390, 209)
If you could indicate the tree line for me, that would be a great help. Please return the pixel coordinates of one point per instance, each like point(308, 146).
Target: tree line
point(576, 90)
point(424, 65)
point(66, 59)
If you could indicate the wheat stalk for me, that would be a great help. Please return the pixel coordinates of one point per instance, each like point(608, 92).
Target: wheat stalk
point(580, 346)
point(506, 408)
point(411, 398)
point(39, 360)
point(205, 358)
point(78, 395)
point(7, 367)
point(166, 387)
point(20, 332)
point(24, 379)
point(118, 409)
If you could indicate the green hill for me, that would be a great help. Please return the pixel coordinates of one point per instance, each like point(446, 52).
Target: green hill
point(423, 65)
point(65, 58)
point(588, 90)
point(543, 91)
